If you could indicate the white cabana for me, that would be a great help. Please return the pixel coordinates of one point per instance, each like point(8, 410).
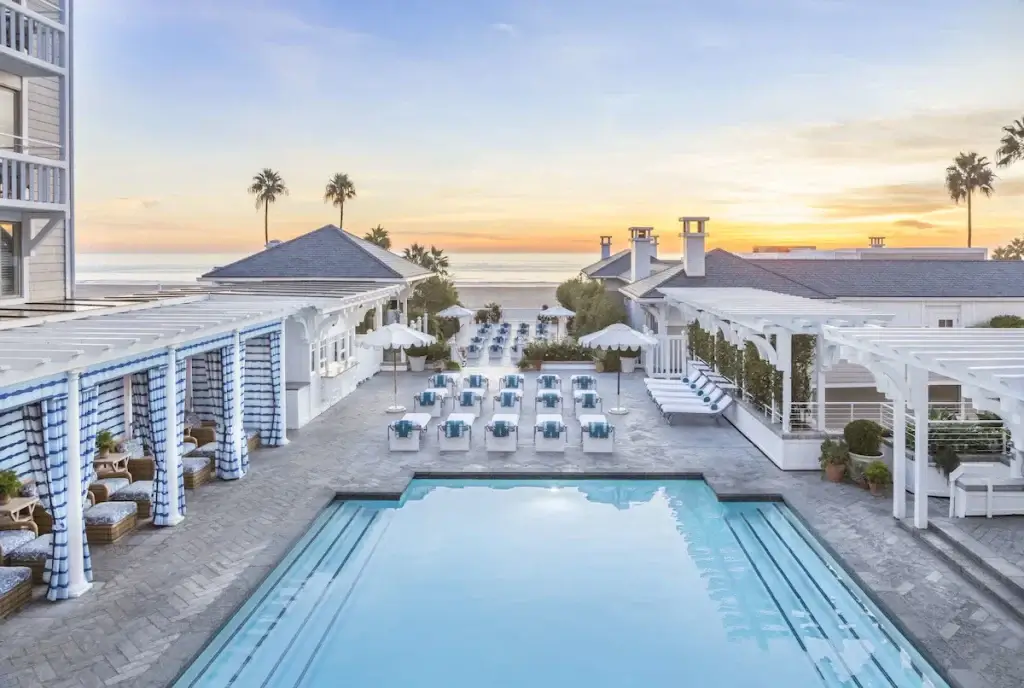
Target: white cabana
point(988, 364)
point(755, 316)
point(618, 337)
point(400, 337)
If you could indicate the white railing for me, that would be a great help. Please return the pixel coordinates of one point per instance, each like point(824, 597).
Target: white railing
point(25, 180)
point(29, 32)
point(667, 359)
point(12, 143)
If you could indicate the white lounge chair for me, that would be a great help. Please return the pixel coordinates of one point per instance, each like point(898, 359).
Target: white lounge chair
point(550, 433)
point(502, 433)
point(598, 434)
point(548, 381)
point(405, 434)
point(586, 401)
point(713, 410)
point(430, 401)
point(548, 399)
point(509, 401)
point(456, 433)
point(712, 397)
point(686, 394)
point(470, 401)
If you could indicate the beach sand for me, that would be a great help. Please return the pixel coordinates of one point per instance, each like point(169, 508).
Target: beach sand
point(472, 295)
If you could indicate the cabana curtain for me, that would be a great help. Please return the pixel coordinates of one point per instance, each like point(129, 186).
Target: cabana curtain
point(180, 379)
point(229, 449)
point(262, 387)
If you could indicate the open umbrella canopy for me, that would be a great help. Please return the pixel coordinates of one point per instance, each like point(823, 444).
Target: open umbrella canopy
point(557, 312)
point(396, 336)
point(618, 337)
point(456, 312)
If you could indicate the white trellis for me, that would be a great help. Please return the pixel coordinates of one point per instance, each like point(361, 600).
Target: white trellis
point(987, 363)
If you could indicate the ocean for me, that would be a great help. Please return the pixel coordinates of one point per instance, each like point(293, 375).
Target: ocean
point(466, 268)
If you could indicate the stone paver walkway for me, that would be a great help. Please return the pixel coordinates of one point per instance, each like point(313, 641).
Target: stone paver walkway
point(161, 594)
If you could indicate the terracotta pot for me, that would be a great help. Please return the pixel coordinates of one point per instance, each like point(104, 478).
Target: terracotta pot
point(835, 471)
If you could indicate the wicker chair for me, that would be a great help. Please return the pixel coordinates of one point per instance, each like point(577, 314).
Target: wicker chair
point(15, 589)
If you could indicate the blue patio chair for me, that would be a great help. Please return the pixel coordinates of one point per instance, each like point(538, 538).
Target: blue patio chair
point(440, 380)
point(585, 382)
point(511, 381)
point(500, 428)
point(599, 430)
point(468, 398)
point(476, 381)
point(549, 400)
point(507, 399)
point(425, 398)
point(589, 400)
point(403, 428)
point(551, 429)
point(549, 381)
point(454, 428)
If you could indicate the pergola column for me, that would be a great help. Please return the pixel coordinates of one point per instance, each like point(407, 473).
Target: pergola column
point(77, 584)
point(918, 379)
point(663, 341)
point(378, 315)
point(819, 381)
point(784, 349)
point(171, 436)
point(282, 388)
point(236, 382)
point(899, 454)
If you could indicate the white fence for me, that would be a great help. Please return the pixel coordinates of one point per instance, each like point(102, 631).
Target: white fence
point(667, 359)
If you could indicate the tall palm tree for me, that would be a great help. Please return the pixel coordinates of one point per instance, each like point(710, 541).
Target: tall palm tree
point(339, 189)
point(418, 254)
point(1012, 148)
point(267, 187)
point(379, 236)
point(968, 174)
point(439, 261)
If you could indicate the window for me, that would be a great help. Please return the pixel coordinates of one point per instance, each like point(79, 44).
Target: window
point(10, 259)
point(945, 322)
point(10, 116)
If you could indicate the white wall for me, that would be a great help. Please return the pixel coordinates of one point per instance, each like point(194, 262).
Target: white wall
point(917, 312)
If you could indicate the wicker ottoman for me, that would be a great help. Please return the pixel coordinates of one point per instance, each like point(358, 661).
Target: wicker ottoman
point(252, 438)
point(140, 492)
point(104, 487)
point(206, 434)
point(106, 522)
point(33, 555)
point(197, 470)
point(142, 469)
point(15, 589)
point(11, 540)
point(208, 450)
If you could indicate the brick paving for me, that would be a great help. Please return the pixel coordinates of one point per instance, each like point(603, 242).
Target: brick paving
point(160, 595)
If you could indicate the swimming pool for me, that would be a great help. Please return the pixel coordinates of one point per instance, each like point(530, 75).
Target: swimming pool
point(590, 583)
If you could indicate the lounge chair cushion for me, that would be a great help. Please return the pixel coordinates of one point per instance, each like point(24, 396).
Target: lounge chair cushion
point(508, 399)
point(588, 400)
point(427, 398)
point(598, 430)
point(549, 400)
point(13, 576)
point(510, 382)
point(454, 428)
point(194, 464)
point(11, 540)
point(468, 398)
point(209, 450)
point(39, 549)
point(552, 429)
point(476, 381)
point(112, 484)
point(403, 428)
point(500, 428)
point(138, 491)
point(109, 513)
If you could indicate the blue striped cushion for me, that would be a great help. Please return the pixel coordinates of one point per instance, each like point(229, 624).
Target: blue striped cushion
point(598, 430)
point(500, 428)
point(508, 399)
point(552, 429)
point(427, 398)
point(453, 428)
point(403, 428)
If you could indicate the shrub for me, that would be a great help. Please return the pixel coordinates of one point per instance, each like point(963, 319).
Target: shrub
point(567, 350)
point(1006, 321)
point(417, 351)
point(105, 441)
point(9, 484)
point(877, 473)
point(834, 453)
point(863, 437)
point(452, 365)
point(947, 460)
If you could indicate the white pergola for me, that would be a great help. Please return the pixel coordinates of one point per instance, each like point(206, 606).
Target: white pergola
point(988, 364)
point(755, 315)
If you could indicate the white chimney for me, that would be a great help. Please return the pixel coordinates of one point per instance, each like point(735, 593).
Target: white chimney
point(606, 247)
point(642, 247)
point(693, 245)
point(654, 244)
point(876, 242)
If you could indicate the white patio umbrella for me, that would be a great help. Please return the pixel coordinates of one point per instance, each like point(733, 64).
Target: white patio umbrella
point(618, 337)
point(561, 314)
point(456, 312)
point(396, 336)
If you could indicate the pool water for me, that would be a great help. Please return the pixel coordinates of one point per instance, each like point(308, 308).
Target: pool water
point(591, 583)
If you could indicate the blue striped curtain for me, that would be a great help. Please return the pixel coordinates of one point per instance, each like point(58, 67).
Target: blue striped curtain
point(229, 460)
point(261, 406)
point(158, 431)
point(271, 431)
point(180, 380)
point(141, 427)
point(89, 407)
point(243, 448)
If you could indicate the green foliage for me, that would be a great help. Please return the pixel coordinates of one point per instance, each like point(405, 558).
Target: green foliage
point(378, 236)
point(947, 460)
point(438, 351)
point(9, 483)
point(452, 365)
point(432, 258)
point(863, 437)
point(557, 351)
point(834, 453)
point(433, 295)
point(1012, 251)
point(367, 324)
point(417, 351)
point(526, 364)
point(877, 473)
point(490, 313)
point(105, 441)
point(594, 307)
point(988, 435)
point(1006, 321)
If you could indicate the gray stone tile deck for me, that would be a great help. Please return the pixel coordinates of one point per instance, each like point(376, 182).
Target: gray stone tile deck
point(160, 595)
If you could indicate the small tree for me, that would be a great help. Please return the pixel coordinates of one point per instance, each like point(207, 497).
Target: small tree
point(1012, 251)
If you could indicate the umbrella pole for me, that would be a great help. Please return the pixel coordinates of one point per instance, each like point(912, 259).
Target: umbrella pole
point(395, 408)
point(618, 410)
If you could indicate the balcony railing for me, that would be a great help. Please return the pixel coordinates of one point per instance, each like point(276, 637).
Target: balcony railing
point(30, 33)
point(27, 181)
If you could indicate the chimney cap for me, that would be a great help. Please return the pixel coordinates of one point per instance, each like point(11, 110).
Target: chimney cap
point(641, 232)
point(606, 239)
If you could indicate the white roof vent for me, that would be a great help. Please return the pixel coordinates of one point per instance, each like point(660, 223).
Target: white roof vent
point(274, 243)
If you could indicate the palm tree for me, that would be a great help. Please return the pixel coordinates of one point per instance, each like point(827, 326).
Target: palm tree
point(379, 236)
point(1012, 149)
point(438, 261)
point(339, 189)
point(1012, 251)
point(969, 173)
point(417, 254)
point(267, 186)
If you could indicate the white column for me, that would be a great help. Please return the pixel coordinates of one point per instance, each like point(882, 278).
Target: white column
point(282, 390)
point(403, 317)
point(378, 315)
point(819, 381)
point(899, 455)
point(919, 399)
point(127, 382)
point(784, 349)
point(171, 437)
point(77, 584)
point(236, 408)
point(663, 352)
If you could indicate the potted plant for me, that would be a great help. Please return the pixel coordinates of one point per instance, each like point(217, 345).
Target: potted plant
point(834, 457)
point(417, 358)
point(627, 359)
point(864, 440)
point(878, 476)
point(947, 460)
point(105, 443)
point(9, 486)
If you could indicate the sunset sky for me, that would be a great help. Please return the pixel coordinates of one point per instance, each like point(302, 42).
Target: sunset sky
point(540, 124)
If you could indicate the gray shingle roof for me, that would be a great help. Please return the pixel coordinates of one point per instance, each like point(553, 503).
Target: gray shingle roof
point(323, 254)
point(911, 279)
point(611, 266)
point(722, 269)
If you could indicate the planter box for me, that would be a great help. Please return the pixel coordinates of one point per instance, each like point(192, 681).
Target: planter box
point(628, 364)
point(567, 365)
point(417, 364)
point(936, 484)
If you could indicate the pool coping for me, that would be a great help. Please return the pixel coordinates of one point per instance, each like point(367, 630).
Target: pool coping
point(722, 496)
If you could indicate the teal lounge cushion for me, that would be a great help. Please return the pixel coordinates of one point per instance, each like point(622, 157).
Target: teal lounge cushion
point(598, 430)
point(403, 428)
point(500, 428)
